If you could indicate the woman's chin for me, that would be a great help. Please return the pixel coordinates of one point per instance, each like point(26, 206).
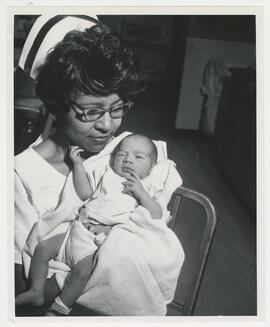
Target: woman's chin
point(96, 145)
point(94, 148)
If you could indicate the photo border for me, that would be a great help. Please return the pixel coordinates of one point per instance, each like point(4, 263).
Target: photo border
point(261, 227)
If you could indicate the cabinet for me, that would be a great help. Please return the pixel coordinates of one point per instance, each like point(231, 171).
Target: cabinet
point(29, 120)
point(150, 37)
point(236, 134)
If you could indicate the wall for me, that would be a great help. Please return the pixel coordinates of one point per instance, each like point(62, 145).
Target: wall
point(198, 52)
point(150, 37)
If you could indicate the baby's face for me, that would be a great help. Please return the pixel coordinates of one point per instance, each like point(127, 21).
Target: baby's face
point(133, 155)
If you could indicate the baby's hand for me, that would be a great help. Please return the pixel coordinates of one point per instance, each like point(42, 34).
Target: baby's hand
point(133, 185)
point(74, 154)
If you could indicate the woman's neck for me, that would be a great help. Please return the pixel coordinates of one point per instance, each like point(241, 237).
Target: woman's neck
point(55, 151)
point(61, 144)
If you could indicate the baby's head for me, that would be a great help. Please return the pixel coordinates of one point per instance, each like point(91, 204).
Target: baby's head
point(135, 153)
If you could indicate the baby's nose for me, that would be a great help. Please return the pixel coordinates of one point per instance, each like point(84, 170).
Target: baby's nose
point(128, 158)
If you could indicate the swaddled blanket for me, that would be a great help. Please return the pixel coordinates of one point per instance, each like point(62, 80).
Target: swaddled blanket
point(109, 205)
point(136, 268)
point(146, 257)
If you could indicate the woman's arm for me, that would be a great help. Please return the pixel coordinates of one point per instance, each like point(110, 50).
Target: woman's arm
point(80, 179)
point(134, 185)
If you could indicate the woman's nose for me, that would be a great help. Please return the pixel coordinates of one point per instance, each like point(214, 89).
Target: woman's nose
point(104, 123)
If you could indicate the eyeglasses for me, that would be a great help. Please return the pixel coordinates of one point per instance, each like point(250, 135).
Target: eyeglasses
point(91, 114)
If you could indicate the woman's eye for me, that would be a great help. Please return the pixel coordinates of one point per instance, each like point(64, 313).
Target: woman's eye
point(117, 109)
point(92, 112)
point(139, 157)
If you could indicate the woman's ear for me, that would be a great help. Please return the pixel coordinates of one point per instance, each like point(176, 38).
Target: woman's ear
point(47, 131)
point(59, 120)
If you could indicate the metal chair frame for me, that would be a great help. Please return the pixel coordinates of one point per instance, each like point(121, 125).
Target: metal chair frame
point(191, 296)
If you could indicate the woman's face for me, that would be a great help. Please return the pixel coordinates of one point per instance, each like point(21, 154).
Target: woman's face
point(92, 136)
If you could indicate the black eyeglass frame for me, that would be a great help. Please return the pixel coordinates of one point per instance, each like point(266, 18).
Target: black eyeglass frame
point(83, 115)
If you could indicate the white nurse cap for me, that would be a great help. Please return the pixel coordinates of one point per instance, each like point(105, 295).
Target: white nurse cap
point(45, 33)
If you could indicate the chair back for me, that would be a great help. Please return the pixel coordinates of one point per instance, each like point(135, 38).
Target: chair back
point(193, 221)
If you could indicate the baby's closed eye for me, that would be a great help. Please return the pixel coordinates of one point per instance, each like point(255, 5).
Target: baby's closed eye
point(120, 154)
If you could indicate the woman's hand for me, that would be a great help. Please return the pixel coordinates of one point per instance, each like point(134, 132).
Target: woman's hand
point(74, 154)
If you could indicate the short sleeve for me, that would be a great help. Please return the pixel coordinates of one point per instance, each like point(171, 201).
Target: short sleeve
point(25, 217)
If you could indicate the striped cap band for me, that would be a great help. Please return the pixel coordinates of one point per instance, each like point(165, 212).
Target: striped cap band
point(45, 33)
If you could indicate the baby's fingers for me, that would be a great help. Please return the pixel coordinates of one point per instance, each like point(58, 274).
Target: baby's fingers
point(127, 183)
point(76, 151)
point(73, 148)
point(130, 178)
point(133, 175)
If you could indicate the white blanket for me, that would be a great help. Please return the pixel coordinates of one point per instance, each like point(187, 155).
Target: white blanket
point(146, 257)
point(136, 268)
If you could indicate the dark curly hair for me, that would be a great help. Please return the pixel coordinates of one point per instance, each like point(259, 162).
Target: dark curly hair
point(93, 62)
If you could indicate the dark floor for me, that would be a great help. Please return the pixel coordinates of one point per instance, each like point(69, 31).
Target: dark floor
point(229, 282)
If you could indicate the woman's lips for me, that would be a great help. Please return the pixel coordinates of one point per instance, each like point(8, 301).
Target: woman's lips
point(100, 139)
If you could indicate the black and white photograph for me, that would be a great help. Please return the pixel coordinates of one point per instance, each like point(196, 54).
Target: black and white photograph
point(135, 140)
